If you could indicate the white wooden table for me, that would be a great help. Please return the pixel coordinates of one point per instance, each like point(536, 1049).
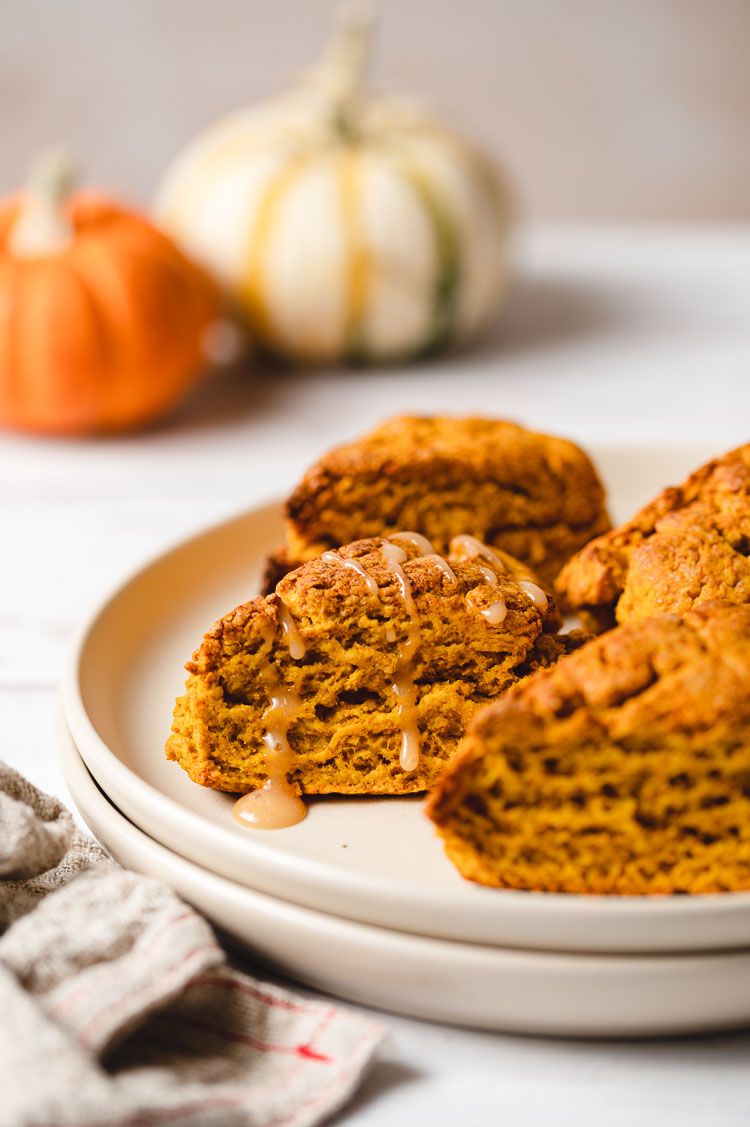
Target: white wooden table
point(626, 336)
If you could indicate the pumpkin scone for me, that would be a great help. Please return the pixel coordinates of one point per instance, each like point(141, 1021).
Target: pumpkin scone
point(689, 546)
point(529, 494)
point(623, 769)
point(358, 675)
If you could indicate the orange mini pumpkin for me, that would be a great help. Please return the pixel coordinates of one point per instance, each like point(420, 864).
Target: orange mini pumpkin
point(102, 318)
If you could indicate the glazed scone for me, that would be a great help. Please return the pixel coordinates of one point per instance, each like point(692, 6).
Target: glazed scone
point(623, 769)
point(536, 497)
point(359, 674)
point(689, 546)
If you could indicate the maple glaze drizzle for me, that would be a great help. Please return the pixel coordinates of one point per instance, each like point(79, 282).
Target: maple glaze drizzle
point(495, 613)
point(353, 565)
point(474, 549)
point(274, 806)
point(427, 552)
point(443, 564)
point(291, 632)
point(535, 593)
point(403, 684)
point(420, 542)
point(271, 807)
point(394, 556)
point(487, 573)
point(470, 548)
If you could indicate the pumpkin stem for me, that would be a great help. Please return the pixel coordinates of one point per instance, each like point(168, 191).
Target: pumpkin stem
point(340, 76)
point(42, 228)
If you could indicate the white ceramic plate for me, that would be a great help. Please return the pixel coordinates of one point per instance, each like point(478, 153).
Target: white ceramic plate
point(438, 979)
point(375, 860)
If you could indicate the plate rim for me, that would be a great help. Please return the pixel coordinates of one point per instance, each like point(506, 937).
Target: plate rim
point(565, 964)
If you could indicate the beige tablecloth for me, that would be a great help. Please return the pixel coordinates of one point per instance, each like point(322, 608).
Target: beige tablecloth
point(117, 1006)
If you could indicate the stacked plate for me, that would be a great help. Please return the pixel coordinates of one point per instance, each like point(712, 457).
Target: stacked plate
point(359, 900)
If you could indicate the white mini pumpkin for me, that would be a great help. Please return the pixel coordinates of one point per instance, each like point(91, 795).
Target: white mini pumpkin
point(343, 226)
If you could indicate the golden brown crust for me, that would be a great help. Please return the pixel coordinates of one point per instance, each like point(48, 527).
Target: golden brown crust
point(623, 769)
point(688, 546)
point(538, 498)
point(346, 734)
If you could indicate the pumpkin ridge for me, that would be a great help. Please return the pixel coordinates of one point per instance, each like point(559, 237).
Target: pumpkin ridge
point(62, 375)
point(251, 290)
point(202, 181)
point(145, 377)
point(448, 278)
point(206, 169)
point(359, 259)
point(101, 276)
point(116, 390)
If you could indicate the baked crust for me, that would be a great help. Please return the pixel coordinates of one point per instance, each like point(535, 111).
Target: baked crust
point(690, 545)
point(346, 731)
point(537, 497)
point(623, 769)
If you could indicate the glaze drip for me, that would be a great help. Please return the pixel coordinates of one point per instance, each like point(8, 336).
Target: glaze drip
point(274, 806)
point(474, 549)
point(487, 573)
point(403, 684)
point(443, 564)
point(406, 694)
point(469, 547)
point(271, 807)
point(291, 632)
point(535, 593)
point(277, 719)
point(495, 613)
point(420, 542)
point(394, 557)
point(353, 565)
point(426, 551)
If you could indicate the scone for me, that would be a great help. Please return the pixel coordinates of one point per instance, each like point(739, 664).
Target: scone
point(624, 769)
point(359, 674)
point(536, 497)
point(688, 546)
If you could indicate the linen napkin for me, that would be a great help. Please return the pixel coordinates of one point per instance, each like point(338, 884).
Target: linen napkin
point(118, 1008)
